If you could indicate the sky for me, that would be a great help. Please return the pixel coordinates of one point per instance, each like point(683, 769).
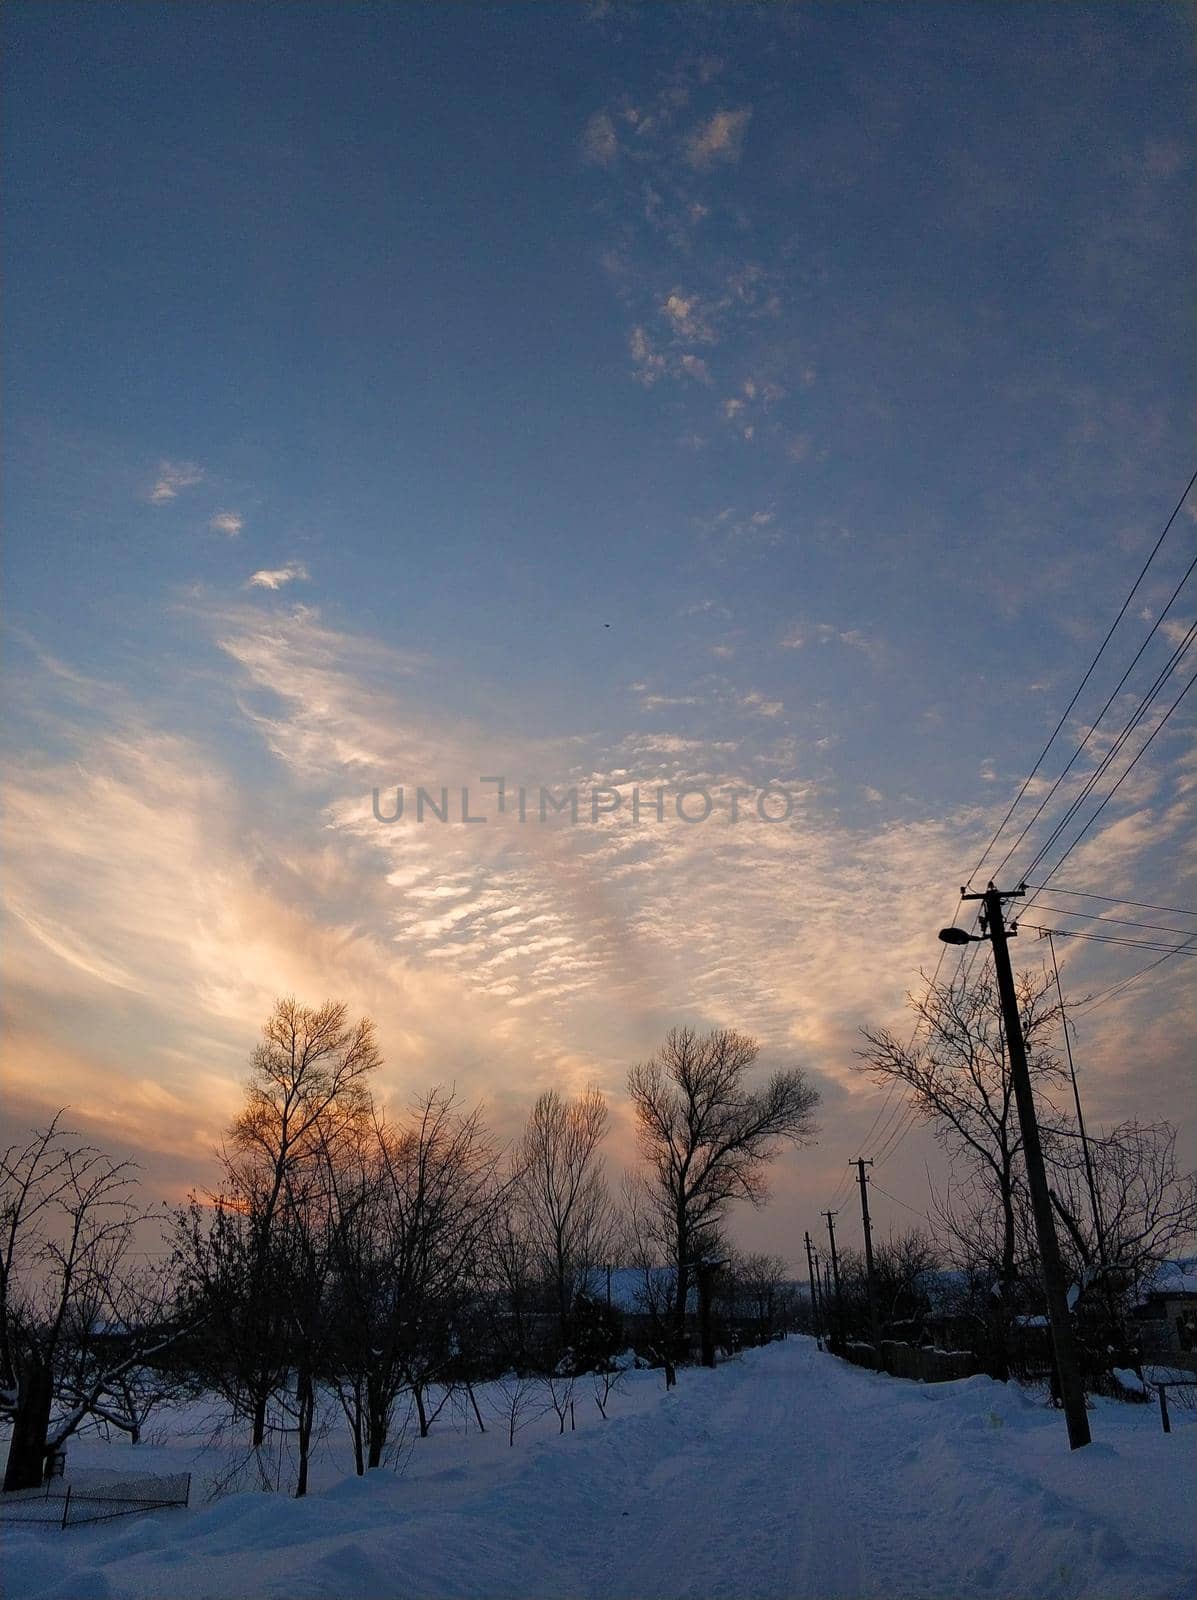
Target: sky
point(778, 400)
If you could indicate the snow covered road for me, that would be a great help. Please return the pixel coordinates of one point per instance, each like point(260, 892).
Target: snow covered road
point(787, 1474)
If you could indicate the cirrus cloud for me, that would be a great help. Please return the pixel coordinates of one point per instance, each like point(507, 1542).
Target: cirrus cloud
point(174, 476)
point(719, 139)
point(277, 577)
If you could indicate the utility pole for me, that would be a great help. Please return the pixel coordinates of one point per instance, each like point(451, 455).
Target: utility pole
point(874, 1320)
point(993, 927)
point(814, 1287)
point(835, 1273)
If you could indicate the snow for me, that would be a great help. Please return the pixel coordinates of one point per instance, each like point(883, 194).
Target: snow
point(1128, 1380)
point(786, 1473)
point(632, 1287)
point(1175, 1278)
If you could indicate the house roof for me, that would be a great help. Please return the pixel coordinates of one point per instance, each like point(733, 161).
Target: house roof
point(1174, 1278)
point(634, 1288)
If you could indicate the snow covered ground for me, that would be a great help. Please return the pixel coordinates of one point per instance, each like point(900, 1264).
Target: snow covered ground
point(786, 1474)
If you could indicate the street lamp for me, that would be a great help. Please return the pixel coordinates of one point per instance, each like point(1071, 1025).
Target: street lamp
point(995, 932)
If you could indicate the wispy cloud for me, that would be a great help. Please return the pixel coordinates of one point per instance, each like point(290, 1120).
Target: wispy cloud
point(228, 522)
point(173, 477)
point(719, 139)
point(498, 954)
point(804, 633)
point(688, 317)
point(276, 577)
point(732, 533)
point(649, 363)
point(760, 705)
point(600, 146)
point(652, 363)
point(655, 702)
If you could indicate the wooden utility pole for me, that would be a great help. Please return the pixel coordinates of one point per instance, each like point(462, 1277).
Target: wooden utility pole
point(814, 1287)
point(825, 1292)
point(835, 1274)
point(874, 1320)
point(1063, 1346)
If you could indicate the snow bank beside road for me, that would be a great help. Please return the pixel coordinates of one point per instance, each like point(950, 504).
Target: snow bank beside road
point(787, 1474)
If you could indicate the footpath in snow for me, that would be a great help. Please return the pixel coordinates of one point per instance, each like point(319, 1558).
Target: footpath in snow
point(785, 1474)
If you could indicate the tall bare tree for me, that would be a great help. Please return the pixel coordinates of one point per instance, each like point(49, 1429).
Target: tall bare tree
point(708, 1138)
point(307, 1096)
point(440, 1179)
point(568, 1207)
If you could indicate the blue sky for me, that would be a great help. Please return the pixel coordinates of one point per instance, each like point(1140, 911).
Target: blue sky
point(364, 363)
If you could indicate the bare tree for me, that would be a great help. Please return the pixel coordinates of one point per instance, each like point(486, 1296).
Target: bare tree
point(905, 1267)
point(519, 1401)
point(559, 1386)
point(567, 1205)
point(708, 1138)
point(82, 1321)
point(959, 1080)
point(606, 1380)
point(307, 1096)
point(512, 1276)
point(758, 1279)
point(1146, 1205)
point(414, 1209)
point(442, 1189)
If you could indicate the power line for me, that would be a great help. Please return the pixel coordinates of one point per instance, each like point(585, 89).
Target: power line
point(890, 1126)
point(838, 1193)
point(1107, 938)
point(1126, 774)
point(1107, 760)
point(901, 1107)
point(1096, 721)
point(1116, 989)
point(879, 1128)
point(889, 1094)
point(912, 1114)
point(894, 1128)
point(909, 1114)
point(898, 1202)
point(1119, 922)
point(897, 1138)
point(1087, 894)
point(1088, 674)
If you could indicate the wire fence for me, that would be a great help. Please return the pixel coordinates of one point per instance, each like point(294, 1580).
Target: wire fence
point(69, 1505)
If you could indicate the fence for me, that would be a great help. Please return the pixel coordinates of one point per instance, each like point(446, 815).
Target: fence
point(1186, 1393)
point(61, 1505)
point(926, 1363)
